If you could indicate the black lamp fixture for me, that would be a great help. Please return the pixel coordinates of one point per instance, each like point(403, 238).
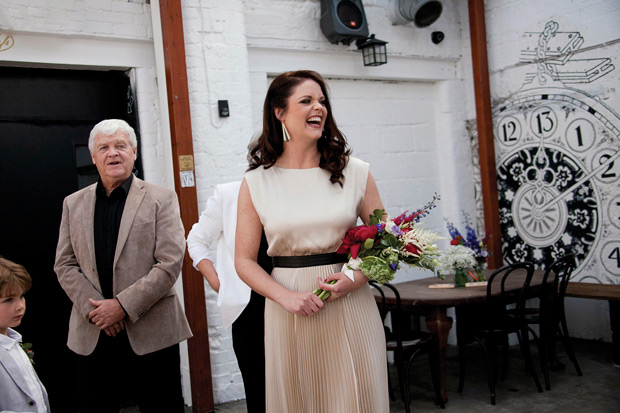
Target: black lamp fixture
point(373, 51)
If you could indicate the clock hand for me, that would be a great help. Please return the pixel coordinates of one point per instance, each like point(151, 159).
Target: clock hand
point(578, 183)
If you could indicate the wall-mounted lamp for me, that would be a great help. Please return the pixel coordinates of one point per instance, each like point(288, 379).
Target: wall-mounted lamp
point(373, 51)
point(422, 13)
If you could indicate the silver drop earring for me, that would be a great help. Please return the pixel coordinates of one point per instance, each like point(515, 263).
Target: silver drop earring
point(285, 134)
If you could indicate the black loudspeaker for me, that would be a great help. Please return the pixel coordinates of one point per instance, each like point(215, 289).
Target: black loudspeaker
point(343, 20)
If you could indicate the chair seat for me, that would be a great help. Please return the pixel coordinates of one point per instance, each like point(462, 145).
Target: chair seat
point(530, 315)
point(505, 324)
point(410, 343)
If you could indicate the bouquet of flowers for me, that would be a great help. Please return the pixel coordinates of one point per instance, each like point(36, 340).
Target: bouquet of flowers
point(379, 248)
point(471, 241)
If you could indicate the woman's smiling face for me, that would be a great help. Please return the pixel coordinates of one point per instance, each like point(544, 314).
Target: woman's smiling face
point(306, 113)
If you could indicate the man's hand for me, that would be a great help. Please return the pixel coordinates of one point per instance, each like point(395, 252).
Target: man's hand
point(115, 329)
point(108, 315)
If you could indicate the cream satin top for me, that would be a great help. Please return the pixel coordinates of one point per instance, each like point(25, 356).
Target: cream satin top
point(302, 212)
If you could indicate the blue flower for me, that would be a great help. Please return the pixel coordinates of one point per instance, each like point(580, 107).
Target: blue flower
point(393, 266)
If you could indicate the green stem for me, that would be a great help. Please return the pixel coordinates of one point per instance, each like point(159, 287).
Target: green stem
point(322, 294)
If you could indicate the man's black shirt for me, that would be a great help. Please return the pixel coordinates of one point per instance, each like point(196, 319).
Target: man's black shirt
point(108, 214)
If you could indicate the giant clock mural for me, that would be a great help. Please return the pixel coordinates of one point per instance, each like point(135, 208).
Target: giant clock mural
point(558, 163)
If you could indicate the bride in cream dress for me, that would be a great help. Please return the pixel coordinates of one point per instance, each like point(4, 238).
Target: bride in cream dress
point(305, 190)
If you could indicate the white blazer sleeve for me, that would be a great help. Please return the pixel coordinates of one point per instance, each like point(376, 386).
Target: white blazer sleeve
point(204, 234)
point(218, 224)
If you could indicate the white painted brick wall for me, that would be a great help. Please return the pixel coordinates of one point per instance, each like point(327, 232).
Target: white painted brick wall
point(108, 18)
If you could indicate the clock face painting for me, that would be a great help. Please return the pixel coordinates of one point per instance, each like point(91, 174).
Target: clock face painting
point(558, 165)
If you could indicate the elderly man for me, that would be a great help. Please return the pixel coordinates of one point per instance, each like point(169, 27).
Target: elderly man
point(120, 251)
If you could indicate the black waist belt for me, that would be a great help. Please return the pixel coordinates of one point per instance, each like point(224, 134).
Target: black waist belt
point(309, 260)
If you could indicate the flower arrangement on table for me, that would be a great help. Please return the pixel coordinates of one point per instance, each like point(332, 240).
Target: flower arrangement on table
point(378, 249)
point(477, 249)
point(460, 260)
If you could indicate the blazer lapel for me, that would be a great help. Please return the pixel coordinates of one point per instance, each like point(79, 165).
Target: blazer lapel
point(88, 224)
point(16, 374)
point(134, 199)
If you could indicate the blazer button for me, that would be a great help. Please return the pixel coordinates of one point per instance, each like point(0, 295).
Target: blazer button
point(31, 403)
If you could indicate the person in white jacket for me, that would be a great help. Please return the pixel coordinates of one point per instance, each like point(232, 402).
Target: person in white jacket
point(239, 305)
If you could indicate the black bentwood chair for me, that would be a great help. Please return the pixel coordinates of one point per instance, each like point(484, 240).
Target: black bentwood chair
point(550, 316)
point(564, 268)
point(406, 345)
point(492, 324)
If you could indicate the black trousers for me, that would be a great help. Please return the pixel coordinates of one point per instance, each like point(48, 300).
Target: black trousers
point(248, 332)
point(114, 375)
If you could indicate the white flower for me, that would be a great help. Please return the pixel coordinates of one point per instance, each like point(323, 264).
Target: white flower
point(458, 257)
point(422, 239)
point(390, 226)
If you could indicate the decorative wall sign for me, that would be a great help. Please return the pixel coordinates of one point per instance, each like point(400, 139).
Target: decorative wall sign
point(558, 163)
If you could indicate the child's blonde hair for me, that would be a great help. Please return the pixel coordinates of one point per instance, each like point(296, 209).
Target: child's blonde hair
point(13, 276)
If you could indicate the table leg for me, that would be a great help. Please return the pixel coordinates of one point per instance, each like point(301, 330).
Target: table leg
point(439, 324)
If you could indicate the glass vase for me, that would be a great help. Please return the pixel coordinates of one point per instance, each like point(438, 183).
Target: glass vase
point(460, 278)
point(479, 273)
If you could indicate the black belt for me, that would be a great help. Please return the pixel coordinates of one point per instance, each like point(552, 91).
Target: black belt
point(309, 260)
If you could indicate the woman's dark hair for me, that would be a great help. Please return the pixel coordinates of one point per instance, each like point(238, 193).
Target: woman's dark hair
point(270, 144)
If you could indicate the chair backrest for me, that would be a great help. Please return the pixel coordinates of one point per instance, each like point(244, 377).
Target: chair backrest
point(383, 308)
point(396, 311)
point(562, 269)
point(505, 297)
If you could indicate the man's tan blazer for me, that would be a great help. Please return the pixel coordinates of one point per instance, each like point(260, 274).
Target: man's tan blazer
point(147, 262)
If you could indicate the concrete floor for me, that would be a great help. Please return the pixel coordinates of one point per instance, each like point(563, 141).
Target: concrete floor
point(598, 390)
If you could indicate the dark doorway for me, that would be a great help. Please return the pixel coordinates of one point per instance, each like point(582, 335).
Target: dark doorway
point(45, 118)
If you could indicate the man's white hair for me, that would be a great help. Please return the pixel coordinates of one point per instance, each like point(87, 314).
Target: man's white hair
point(109, 127)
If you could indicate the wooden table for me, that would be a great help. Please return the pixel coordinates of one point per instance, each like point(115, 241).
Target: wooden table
point(433, 304)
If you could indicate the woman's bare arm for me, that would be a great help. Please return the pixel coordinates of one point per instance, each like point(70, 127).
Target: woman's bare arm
point(247, 242)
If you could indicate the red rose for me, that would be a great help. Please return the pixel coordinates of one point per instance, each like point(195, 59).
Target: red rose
point(355, 237)
point(364, 232)
point(454, 242)
point(342, 249)
point(412, 249)
point(355, 250)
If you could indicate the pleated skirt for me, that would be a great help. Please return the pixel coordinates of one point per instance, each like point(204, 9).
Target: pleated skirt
point(331, 362)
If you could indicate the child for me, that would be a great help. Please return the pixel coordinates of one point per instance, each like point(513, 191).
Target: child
point(20, 387)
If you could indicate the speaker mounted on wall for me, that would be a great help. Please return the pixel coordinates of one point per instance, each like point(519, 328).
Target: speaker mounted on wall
point(343, 20)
